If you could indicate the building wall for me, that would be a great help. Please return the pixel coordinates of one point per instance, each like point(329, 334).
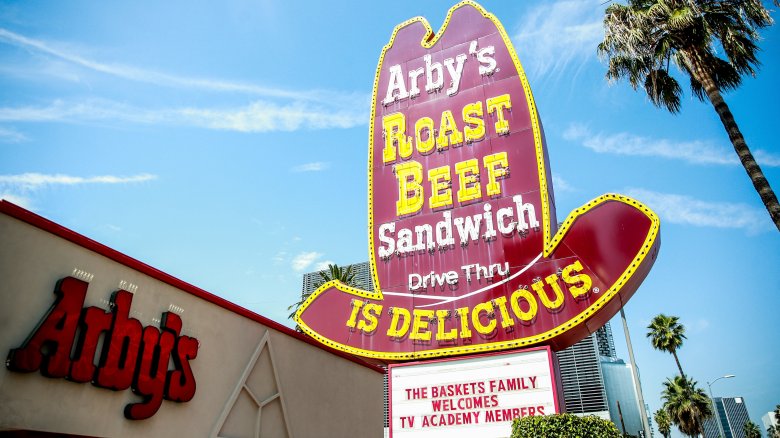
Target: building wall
point(244, 361)
point(732, 413)
point(769, 420)
point(583, 385)
point(711, 427)
point(605, 341)
point(619, 385)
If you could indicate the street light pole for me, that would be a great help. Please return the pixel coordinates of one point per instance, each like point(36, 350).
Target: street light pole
point(712, 402)
point(637, 384)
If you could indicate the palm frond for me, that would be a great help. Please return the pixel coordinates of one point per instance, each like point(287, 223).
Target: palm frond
point(681, 18)
point(640, 38)
point(741, 51)
point(663, 90)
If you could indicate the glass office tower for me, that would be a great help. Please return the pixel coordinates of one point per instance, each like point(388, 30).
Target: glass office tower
point(732, 414)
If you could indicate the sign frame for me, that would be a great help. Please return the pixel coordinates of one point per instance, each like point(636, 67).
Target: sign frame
point(553, 366)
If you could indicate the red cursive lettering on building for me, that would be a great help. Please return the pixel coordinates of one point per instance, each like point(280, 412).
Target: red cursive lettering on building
point(131, 356)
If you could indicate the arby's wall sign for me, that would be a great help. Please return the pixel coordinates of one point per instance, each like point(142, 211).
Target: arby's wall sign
point(464, 243)
point(132, 356)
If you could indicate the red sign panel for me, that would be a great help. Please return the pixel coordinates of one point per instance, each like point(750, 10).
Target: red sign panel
point(465, 248)
point(65, 344)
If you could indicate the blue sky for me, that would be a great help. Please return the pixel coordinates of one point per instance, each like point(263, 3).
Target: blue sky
point(226, 144)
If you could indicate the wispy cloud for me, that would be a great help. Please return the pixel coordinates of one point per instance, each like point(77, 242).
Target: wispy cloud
point(88, 110)
point(694, 151)
point(136, 74)
point(685, 210)
point(322, 266)
point(305, 259)
point(274, 109)
point(260, 116)
point(316, 166)
point(764, 158)
point(561, 185)
point(266, 117)
point(32, 181)
point(555, 36)
point(17, 188)
point(11, 136)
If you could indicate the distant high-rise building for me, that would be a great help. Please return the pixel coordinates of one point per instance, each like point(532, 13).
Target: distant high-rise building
point(620, 388)
point(649, 421)
point(583, 385)
point(769, 420)
point(595, 380)
point(604, 341)
point(732, 414)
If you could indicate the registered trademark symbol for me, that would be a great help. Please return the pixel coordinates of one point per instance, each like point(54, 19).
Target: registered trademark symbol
point(596, 290)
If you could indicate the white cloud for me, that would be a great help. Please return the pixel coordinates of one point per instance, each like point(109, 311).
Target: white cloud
point(316, 166)
point(280, 258)
point(694, 151)
point(31, 181)
point(8, 135)
point(88, 110)
point(554, 36)
point(576, 131)
point(765, 158)
point(16, 188)
point(163, 79)
point(303, 260)
point(323, 266)
point(276, 109)
point(561, 185)
point(267, 117)
point(685, 210)
point(258, 116)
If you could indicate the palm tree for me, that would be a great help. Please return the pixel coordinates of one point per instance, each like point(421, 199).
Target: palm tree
point(644, 36)
point(687, 405)
point(334, 272)
point(667, 334)
point(664, 422)
point(751, 430)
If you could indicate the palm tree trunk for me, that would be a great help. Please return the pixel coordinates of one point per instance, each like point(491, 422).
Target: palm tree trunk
point(735, 135)
point(679, 367)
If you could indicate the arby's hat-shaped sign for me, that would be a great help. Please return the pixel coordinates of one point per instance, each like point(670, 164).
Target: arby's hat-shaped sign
point(465, 248)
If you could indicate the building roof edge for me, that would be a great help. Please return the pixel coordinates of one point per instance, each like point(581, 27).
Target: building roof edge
point(12, 210)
